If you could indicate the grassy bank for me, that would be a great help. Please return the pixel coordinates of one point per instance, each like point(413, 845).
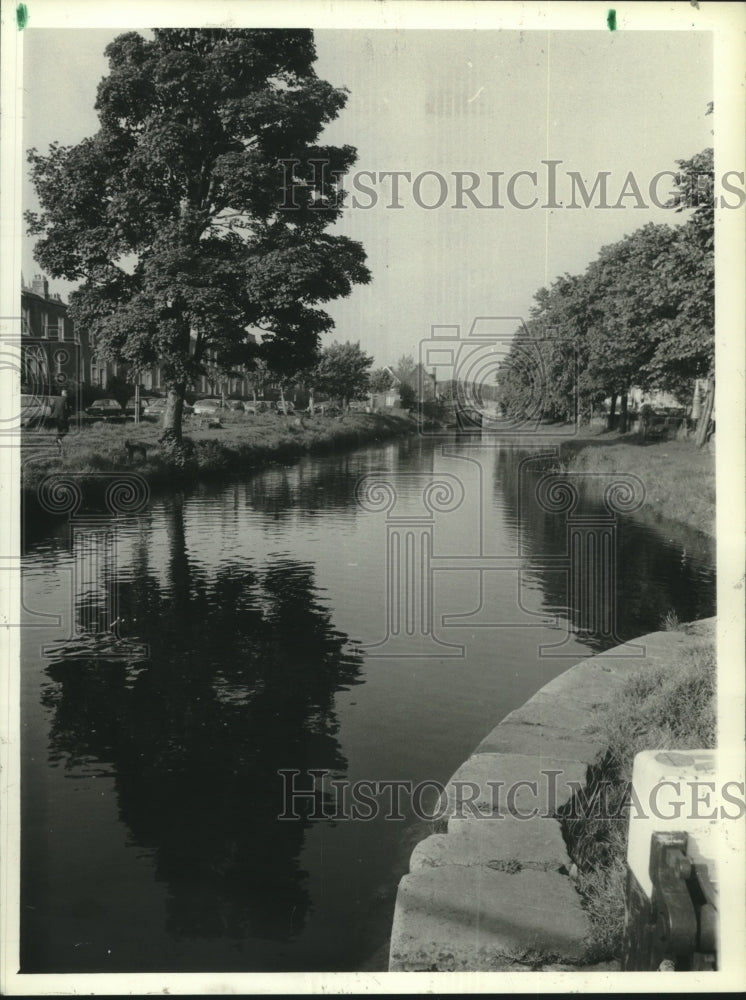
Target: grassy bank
point(666, 705)
point(679, 478)
point(243, 445)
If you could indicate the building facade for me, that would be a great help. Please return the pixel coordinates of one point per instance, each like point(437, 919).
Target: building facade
point(53, 354)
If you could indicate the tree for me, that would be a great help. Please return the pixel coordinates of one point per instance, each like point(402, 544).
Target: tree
point(406, 369)
point(343, 372)
point(120, 389)
point(407, 396)
point(415, 383)
point(695, 190)
point(641, 314)
point(381, 380)
point(175, 215)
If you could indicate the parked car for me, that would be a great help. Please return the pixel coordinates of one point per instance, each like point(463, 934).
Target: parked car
point(129, 408)
point(154, 408)
point(35, 410)
point(207, 407)
point(157, 407)
point(105, 409)
point(236, 405)
point(288, 407)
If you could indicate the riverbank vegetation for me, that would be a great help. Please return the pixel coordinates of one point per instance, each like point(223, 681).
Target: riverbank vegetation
point(641, 315)
point(242, 445)
point(671, 705)
point(679, 478)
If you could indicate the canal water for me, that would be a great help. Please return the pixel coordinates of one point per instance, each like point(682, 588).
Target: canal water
point(365, 617)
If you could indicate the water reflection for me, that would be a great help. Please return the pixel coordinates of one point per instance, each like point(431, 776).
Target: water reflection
point(150, 785)
point(651, 573)
point(243, 669)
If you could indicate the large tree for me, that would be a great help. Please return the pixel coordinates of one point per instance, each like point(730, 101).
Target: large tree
point(177, 216)
point(641, 314)
point(343, 372)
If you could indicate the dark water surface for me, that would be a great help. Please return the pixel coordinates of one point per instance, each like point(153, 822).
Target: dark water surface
point(151, 785)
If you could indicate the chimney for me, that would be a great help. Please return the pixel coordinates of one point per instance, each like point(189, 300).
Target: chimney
point(40, 286)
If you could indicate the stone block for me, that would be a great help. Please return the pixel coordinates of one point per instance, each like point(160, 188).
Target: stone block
point(511, 784)
point(562, 715)
point(586, 684)
point(503, 843)
point(545, 742)
point(475, 919)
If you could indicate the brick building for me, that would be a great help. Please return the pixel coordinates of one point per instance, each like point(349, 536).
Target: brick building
point(57, 356)
point(54, 356)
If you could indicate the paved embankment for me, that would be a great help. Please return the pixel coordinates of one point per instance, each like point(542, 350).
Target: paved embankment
point(494, 892)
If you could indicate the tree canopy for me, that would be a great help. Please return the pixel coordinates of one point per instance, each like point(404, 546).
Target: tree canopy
point(381, 380)
point(343, 371)
point(174, 216)
point(642, 313)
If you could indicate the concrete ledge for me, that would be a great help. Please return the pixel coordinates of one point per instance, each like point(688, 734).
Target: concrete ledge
point(503, 844)
point(545, 742)
point(477, 919)
point(493, 893)
point(512, 784)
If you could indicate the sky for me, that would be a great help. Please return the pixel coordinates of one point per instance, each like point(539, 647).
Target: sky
point(445, 101)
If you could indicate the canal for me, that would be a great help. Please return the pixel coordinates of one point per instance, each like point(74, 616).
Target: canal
point(185, 668)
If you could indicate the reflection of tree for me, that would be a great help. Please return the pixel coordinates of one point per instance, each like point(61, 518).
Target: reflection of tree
point(240, 682)
point(329, 483)
point(310, 487)
point(654, 573)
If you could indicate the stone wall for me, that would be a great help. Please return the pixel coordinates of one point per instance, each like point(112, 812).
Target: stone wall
point(493, 892)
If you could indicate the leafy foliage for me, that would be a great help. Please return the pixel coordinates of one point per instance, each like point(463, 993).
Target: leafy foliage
point(174, 215)
point(343, 371)
point(641, 314)
point(381, 380)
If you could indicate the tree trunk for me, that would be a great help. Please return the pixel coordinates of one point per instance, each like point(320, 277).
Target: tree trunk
point(612, 411)
point(173, 413)
point(283, 404)
point(696, 405)
point(623, 415)
point(703, 426)
point(311, 407)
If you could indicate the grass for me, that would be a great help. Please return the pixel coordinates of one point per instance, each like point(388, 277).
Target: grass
point(678, 477)
point(244, 444)
point(669, 706)
point(671, 621)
